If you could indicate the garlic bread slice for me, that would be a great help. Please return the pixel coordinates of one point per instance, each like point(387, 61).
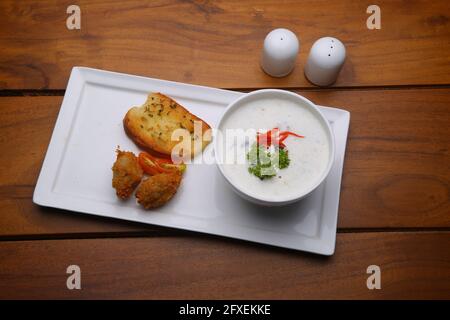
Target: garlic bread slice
point(151, 126)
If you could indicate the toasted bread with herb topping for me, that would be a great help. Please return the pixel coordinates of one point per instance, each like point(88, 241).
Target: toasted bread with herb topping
point(152, 124)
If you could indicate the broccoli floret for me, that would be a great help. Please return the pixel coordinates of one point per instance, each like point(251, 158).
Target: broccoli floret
point(264, 164)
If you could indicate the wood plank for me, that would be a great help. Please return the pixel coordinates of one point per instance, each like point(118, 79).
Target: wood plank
point(396, 170)
point(219, 43)
point(26, 125)
point(413, 266)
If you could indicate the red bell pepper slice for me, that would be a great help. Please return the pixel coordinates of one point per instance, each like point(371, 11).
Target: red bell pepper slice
point(275, 137)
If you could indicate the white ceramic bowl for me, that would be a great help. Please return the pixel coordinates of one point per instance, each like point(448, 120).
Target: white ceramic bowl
point(275, 94)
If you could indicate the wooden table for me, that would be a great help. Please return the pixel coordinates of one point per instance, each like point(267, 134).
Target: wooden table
point(394, 206)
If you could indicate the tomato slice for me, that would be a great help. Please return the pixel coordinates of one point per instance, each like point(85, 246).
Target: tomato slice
point(153, 165)
point(165, 160)
point(171, 166)
point(147, 164)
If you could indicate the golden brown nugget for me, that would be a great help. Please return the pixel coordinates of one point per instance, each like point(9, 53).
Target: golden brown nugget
point(158, 189)
point(127, 174)
point(152, 124)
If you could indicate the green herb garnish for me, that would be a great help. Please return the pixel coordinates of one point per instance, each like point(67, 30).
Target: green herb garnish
point(263, 163)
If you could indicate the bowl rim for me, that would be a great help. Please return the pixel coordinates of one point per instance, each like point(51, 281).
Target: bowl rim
point(261, 199)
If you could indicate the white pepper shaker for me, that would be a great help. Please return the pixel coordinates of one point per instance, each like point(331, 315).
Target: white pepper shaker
point(325, 61)
point(280, 51)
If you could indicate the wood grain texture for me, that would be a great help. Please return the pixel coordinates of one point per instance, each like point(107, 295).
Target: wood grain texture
point(218, 43)
point(396, 171)
point(26, 124)
point(397, 163)
point(413, 266)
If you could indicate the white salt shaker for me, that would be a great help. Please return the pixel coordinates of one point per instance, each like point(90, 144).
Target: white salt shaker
point(280, 51)
point(325, 60)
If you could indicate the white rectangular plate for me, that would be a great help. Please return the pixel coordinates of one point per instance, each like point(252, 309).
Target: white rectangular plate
point(76, 174)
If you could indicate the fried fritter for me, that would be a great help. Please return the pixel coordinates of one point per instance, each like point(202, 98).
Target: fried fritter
point(127, 174)
point(158, 189)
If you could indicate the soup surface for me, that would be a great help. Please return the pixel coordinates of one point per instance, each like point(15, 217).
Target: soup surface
point(308, 156)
